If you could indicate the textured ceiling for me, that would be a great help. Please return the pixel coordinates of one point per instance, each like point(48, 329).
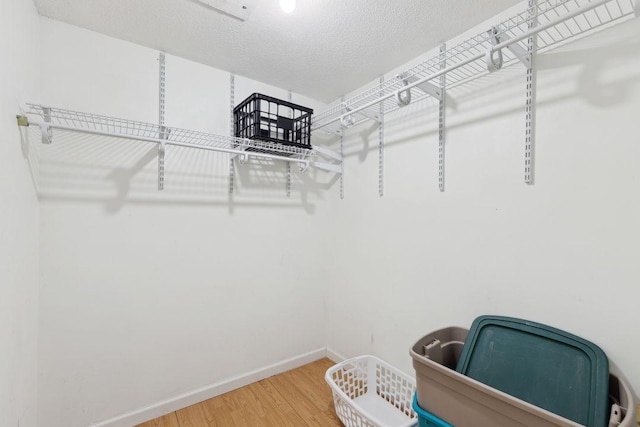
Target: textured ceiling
point(324, 49)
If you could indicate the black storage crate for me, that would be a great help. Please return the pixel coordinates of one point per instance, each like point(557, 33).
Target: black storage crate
point(265, 118)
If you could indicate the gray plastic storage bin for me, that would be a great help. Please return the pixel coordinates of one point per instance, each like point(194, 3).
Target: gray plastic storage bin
point(465, 402)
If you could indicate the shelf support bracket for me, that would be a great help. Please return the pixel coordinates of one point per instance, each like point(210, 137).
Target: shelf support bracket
point(521, 53)
point(441, 116)
point(426, 87)
point(329, 167)
point(328, 152)
point(334, 128)
point(530, 126)
point(367, 113)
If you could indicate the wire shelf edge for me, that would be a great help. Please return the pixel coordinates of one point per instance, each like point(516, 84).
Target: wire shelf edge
point(546, 12)
point(59, 118)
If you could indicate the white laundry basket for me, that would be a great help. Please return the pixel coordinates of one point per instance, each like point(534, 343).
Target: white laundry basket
point(368, 392)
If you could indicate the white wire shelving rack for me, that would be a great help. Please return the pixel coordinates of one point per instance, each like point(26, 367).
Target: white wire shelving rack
point(49, 118)
point(239, 149)
point(543, 25)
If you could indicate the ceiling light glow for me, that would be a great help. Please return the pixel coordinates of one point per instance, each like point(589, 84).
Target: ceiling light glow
point(287, 6)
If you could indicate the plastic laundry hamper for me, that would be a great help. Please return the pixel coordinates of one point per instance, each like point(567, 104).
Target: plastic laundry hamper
point(368, 392)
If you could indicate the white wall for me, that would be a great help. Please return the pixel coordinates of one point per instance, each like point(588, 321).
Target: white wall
point(147, 295)
point(19, 74)
point(563, 252)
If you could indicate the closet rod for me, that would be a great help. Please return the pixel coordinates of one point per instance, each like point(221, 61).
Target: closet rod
point(494, 48)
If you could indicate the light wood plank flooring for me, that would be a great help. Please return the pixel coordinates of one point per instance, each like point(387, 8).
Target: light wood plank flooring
point(296, 398)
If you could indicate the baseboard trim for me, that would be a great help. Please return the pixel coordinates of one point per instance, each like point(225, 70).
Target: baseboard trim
point(191, 398)
point(335, 356)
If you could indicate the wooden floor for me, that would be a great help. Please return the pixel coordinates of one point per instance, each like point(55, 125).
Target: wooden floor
point(299, 397)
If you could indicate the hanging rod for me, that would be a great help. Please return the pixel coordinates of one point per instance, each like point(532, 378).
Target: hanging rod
point(464, 56)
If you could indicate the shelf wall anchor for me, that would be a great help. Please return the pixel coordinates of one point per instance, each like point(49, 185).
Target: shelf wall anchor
point(334, 128)
point(22, 120)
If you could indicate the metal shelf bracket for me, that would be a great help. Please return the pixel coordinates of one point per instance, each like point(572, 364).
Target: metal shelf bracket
point(367, 113)
point(329, 167)
point(334, 128)
point(426, 87)
point(521, 53)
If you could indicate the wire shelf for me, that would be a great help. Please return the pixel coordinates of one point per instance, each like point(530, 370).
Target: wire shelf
point(122, 128)
point(546, 12)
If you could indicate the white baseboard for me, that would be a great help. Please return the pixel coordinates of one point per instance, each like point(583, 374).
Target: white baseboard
point(334, 356)
point(191, 398)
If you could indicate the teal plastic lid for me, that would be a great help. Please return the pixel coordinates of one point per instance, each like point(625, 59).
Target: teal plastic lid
point(544, 366)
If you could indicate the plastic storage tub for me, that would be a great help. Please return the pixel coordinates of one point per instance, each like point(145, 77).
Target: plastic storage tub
point(542, 365)
point(465, 402)
point(368, 392)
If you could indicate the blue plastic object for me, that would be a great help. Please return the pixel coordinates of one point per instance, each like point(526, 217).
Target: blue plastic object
point(544, 366)
point(426, 418)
